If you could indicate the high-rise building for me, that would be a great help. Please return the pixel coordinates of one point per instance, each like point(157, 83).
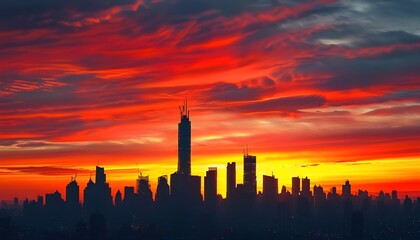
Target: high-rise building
point(210, 185)
point(230, 179)
point(184, 141)
point(100, 175)
point(319, 195)
point(72, 193)
point(394, 194)
point(270, 187)
point(129, 194)
point(54, 200)
point(97, 196)
point(306, 187)
point(118, 198)
point(143, 188)
point(250, 176)
point(346, 190)
point(185, 189)
point(295, 186)
point(162, 191)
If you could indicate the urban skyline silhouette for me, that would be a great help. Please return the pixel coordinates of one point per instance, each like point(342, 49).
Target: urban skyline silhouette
point(209, 119)
point(131, 215)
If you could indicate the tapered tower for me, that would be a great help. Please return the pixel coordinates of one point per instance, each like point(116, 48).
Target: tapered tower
point(184, 140)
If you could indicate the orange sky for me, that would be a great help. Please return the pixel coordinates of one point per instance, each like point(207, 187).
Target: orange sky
point(315, 88)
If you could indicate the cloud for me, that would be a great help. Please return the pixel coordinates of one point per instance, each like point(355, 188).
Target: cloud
point(251, 90)
point(46, 170)
point(284, 104)
point(404, 110)
point(396, 68)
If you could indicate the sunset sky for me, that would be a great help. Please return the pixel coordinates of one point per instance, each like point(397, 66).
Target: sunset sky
point(325, 89)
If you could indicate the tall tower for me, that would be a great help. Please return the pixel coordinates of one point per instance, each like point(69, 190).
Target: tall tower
point(72, 193)
point(230, 179)
point(100, 175)
point(184, 141)
point(295, 186)
point(210, 185)
point(250, 173)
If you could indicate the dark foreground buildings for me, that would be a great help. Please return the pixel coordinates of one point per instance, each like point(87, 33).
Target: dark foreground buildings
point(178, 210)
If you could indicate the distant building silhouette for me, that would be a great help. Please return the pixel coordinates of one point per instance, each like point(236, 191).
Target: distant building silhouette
point(270, 187)
point(230, 179)
point(185, 189)
point(118, 199)
point(250, 173)
point(72, 193)
point(98, 195)
point(210, 185)
point(129, 195)
point(143, 189)
point(346, 190)
point(295, 186)
point(184, 141)
point(162, 191)
point(306, 187)
point(54, 200)
point(319, 196)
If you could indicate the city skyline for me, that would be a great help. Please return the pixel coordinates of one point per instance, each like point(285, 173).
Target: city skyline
point(327, 89)
point(207, 185)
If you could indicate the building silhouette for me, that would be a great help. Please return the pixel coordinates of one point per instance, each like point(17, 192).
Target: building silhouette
point(184, 141)
point(72, 193)
point(54, 200)
point(306, 187)
point(143, 189)
point(250, 175)
point(118, 198)
point(230, 179)
point(162, 190)
point(97, 195)
point(185, 189)
point(346, 190)
point(179, 212)
point(210, 185)
point(270, 187)
point(295, 186)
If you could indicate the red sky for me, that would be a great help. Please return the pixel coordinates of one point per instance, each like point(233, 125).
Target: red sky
point(324, 89)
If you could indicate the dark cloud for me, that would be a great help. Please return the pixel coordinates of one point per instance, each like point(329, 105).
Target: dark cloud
point(286, 104)
point(46, 170)
point(240, 92)
point(26, 14)
point(311, 165)
point(395, 68)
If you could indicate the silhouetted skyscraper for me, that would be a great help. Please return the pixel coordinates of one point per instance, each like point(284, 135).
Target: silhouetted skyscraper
point(98, 195)
point(100, 175)
point(250, 177)
point(306, 187)
point(295, 186)
point(143, 188)
point(230, 179)
point(184, 141)
point(118, 198)
point(319, 195)
point(129, 195)
point(346, 190)
point(210, 185)
point(72, 193)
point(270, 187)
point(54, 200)
point(162, 191)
